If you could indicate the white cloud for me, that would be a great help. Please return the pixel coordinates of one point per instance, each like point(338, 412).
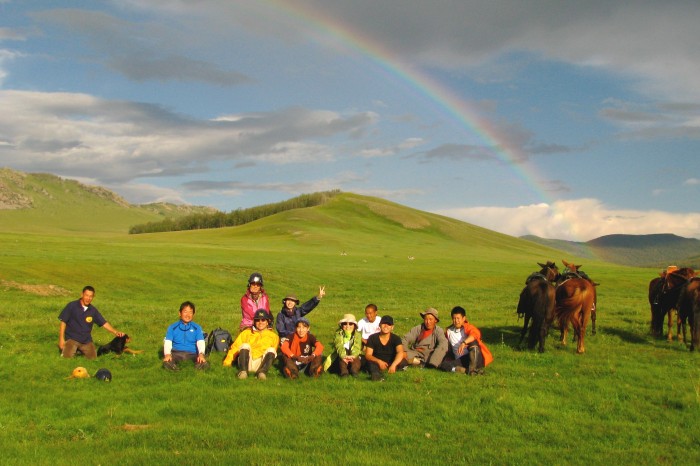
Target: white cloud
point(80, 135)
point(576, 220)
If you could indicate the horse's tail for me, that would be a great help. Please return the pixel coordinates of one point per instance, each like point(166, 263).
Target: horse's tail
point(541, 305)
point(575, 305)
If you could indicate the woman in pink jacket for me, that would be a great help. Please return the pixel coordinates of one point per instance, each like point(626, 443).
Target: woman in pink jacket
point(254, 298)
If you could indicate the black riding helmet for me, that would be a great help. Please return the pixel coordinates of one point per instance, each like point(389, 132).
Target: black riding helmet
point(104, 375)
point(255, 277)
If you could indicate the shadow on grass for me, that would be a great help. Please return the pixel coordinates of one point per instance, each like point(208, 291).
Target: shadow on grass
point(624, 335)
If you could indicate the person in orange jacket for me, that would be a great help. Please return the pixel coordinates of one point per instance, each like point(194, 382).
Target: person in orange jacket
point(469, 354)
point(302, 352)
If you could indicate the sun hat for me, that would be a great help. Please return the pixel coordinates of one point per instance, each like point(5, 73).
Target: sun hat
point(291, 297)
point(387, 320)
point(261, 314)
point(347, 318)
point(432, 311)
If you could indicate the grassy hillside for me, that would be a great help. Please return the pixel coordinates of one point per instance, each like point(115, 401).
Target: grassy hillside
point(618, 403)
point(35, 202)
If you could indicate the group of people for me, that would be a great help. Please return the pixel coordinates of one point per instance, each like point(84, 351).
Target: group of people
point(368, 344)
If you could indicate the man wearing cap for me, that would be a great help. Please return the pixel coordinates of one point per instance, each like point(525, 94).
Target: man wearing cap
point(384, 351)
point(426, 344)
point(291, 312)
point(255, 348)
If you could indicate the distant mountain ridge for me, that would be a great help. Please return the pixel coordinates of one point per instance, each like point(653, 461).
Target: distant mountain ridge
point(653, 250)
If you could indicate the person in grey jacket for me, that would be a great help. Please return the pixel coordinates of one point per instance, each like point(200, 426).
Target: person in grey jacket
point(425, 344)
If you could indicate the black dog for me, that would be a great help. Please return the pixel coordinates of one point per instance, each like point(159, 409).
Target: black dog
point(117, 346)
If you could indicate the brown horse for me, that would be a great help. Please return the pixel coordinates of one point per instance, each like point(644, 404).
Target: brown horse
point(664, 292)
point(537, 302)
point(689, 310)
point(574, 271)
point(575, 298)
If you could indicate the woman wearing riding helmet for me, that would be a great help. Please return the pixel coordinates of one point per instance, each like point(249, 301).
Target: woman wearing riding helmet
point(254, 298)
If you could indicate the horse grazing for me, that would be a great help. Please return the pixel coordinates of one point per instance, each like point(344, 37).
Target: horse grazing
point(689, 310)
point(574, 271)
point(664, 292)
point(537, 303)
point(575, 300)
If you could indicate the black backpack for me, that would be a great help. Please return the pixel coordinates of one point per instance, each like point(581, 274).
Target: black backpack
point(218, 340)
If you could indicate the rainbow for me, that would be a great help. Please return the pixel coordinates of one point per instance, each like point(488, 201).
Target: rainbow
point(324, 27)
point(327, 28)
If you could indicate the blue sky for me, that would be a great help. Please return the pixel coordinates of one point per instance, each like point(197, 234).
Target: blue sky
point(567, 120)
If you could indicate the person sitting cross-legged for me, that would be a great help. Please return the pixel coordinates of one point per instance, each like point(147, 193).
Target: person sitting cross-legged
point(255, 348)
point(384, 351)
point(184, 340)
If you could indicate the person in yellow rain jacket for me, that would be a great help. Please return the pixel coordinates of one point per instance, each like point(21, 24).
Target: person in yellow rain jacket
point(255, 348)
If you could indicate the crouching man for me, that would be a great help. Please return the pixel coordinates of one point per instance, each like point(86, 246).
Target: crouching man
point(255, 348)
point(469, 354)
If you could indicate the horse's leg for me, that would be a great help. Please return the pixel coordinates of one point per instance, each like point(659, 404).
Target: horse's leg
point(680, 328)
point(524, 330)
point(564, 328)
point(593, 314)
point(669, 335)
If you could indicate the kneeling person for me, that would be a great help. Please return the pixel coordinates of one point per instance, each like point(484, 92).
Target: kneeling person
point(184, 340)
point(302, 352)
point(469, 353)
point(255, 348)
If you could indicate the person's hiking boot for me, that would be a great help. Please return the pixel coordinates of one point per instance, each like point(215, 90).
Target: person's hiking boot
point(202, 367)
point(460, 370)
point(243, 361)
point(171, 366)
point(416, 362)
point(243, 375)
point(377, 377)
point(289, 373)
point(267, 361)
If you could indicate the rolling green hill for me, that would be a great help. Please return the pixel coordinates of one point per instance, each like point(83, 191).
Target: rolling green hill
point(36, 202)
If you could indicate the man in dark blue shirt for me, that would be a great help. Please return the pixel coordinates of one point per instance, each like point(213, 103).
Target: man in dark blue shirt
point(75, 330)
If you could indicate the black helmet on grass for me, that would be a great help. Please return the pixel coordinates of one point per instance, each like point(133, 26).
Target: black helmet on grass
point(104, 375)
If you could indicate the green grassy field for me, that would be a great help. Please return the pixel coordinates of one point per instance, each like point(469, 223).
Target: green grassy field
point(630, 399)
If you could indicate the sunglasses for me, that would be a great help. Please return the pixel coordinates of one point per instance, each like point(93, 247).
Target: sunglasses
point(347, 323)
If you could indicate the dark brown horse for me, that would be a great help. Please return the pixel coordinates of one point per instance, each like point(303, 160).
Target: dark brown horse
point(574, 271)
point(664, 292)
point(689, 310)
point(575, 299)
point(537, 302)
